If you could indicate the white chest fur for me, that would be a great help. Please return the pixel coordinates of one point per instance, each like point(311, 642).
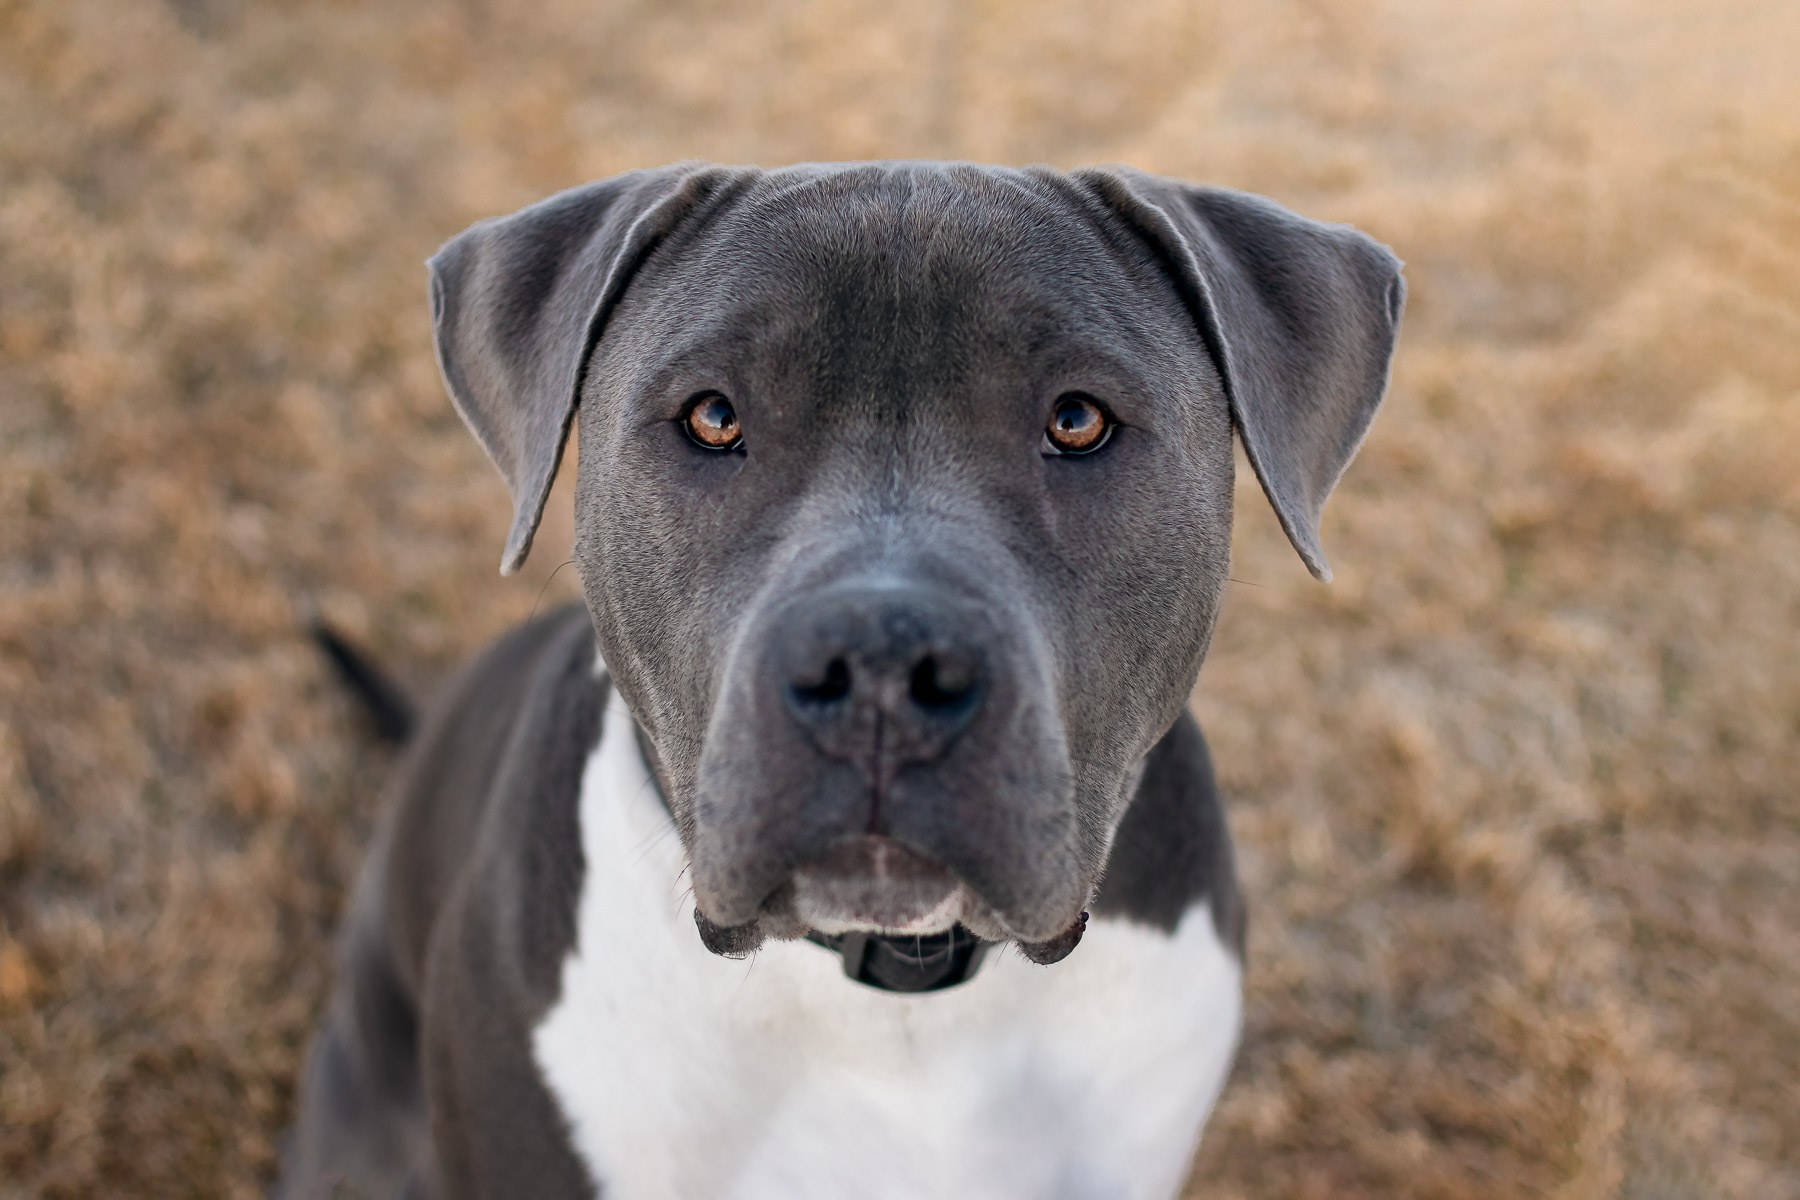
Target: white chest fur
point(689, 1077)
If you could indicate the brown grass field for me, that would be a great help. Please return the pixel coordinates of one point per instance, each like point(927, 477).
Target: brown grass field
point(1518, 796)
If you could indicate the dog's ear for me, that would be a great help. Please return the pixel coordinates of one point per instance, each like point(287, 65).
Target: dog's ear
point(1299, 316)
point(518, 302)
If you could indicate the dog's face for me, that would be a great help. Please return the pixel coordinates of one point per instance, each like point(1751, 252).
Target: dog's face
point(904, 509)
point(904, 503)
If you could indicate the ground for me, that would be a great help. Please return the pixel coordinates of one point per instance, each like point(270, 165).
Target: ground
point(1516, 795)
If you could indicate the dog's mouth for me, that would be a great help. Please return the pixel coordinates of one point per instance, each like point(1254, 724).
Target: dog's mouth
point(874, 884)
point(897, 917)
point(900, 919)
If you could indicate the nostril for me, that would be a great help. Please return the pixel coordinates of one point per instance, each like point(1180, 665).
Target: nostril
point(937, 684)
point(833, 686)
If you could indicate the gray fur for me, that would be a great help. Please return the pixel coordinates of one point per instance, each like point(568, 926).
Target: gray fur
point(1173, 850)
point(465, 909)
point(893, 337)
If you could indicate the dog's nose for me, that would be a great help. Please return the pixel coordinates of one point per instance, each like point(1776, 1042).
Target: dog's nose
point(881, 677)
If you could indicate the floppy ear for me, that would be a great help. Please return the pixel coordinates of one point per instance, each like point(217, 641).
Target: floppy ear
point(518, 302)
point(1300, 317)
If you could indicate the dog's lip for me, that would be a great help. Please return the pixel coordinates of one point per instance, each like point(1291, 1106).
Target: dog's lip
point(876, 884)
point(873, 856)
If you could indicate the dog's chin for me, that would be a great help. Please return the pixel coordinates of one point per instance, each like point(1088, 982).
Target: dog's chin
point(875, 885)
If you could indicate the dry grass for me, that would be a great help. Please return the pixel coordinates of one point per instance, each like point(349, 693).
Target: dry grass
point(1517, 795)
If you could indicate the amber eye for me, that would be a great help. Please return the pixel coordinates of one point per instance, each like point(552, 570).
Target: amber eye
point(1077, 426)
point(712, 422)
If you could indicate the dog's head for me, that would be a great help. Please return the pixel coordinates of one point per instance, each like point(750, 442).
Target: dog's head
point(904, 496)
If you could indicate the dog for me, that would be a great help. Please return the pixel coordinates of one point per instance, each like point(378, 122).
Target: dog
point(854, 838)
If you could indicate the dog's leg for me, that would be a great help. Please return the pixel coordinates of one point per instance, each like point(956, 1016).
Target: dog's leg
point(361, 1128)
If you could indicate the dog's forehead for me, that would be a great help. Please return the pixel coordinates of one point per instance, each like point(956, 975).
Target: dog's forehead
point(909, 212)
point(916, 264)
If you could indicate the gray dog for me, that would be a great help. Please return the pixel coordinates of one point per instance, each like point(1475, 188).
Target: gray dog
point(903, 514)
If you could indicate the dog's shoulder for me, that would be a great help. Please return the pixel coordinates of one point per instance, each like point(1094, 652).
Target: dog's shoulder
point(485, 797)
point(462, 915)
point(499, 814)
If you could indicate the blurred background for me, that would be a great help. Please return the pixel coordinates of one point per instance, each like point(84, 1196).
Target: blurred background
point(1516, 796)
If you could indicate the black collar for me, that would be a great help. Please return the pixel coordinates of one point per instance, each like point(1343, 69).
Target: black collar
point(886, 962)
point(902, 963)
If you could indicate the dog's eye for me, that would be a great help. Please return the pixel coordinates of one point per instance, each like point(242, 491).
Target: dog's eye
point(1077, 426)
point(712, 422)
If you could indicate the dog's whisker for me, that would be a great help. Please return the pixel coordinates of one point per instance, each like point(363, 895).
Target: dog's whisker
point(650, 843)
point(749, 966)
point(540, 596)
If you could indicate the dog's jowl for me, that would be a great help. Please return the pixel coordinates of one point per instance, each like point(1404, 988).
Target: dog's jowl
point(853, 839)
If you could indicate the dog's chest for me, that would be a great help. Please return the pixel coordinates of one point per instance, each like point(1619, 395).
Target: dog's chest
point(686, 1075)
